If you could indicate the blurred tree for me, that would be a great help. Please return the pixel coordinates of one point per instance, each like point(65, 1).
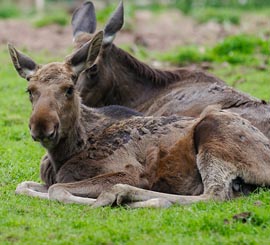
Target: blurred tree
point(40, 5)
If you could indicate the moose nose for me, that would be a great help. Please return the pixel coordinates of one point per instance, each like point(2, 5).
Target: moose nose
point(43, 134)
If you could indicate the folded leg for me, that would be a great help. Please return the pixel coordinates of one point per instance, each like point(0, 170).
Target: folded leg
point(84, 192)
point(137, 197)
point(33, 189)
point(217, 176)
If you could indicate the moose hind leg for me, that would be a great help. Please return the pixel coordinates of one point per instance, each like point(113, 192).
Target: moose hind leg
point(217, 176)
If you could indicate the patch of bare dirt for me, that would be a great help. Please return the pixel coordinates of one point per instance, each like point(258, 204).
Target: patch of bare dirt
point(22, 34)
point(156, 32)
point(170, 29)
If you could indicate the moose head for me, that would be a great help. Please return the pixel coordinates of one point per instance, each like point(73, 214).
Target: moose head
point(115, 78)
point(51, 88)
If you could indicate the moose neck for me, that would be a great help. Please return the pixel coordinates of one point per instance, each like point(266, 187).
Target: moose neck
point(76, 138)
point(134, 81)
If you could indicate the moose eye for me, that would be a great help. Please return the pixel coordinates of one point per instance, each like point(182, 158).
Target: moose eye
point(69, 91)
point(30, 94)
point(92, 71)
point(74, 78)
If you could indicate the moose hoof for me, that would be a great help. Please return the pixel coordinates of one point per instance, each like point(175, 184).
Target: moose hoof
point(117, 194)
point(23, 187)
point(104, 199)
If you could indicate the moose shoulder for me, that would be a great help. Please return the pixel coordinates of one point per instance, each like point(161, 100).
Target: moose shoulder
point(118, 78)
point(89, 151)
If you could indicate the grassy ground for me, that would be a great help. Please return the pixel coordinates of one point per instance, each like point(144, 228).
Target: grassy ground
point(25, 220)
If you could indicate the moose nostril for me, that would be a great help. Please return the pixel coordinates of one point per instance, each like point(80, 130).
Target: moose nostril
point(56, 126)
point(51, 135)
point(33, 137)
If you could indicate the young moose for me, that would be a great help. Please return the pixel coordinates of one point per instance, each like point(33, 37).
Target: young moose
point(114, 152)
point(118, 78)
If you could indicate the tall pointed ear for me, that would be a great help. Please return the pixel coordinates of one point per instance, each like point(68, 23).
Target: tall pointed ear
point(85, 57)
point(24, 65)
point(84, 19)
point(114, 24)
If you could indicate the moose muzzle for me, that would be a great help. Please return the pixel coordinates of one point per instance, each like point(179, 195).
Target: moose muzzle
point(44, 127)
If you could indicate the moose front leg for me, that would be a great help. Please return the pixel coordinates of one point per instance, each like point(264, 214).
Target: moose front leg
point(32, 189)
point(85, 191)
point(47, 172)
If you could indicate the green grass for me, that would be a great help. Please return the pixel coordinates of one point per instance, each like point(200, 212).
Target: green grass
point(25, 220)
point(60, 18)
point(8, 10)
point(249, 79)
point(238, 50)
point(187, 6)
point(220, 16)
point(53, 13)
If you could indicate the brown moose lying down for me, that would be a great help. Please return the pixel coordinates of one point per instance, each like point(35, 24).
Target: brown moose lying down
point(110, 153)
point(117, 78)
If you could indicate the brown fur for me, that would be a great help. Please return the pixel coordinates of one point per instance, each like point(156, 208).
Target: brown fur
point(120, 79)
point(89, 150)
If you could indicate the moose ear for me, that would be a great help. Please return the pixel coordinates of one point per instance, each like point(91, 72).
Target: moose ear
point(114, 24)
point(86, 55)
point(84, 19)
point(24, 65)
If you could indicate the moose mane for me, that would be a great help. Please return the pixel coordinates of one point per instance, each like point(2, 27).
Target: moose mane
point(157, 77)
point(143, 71)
